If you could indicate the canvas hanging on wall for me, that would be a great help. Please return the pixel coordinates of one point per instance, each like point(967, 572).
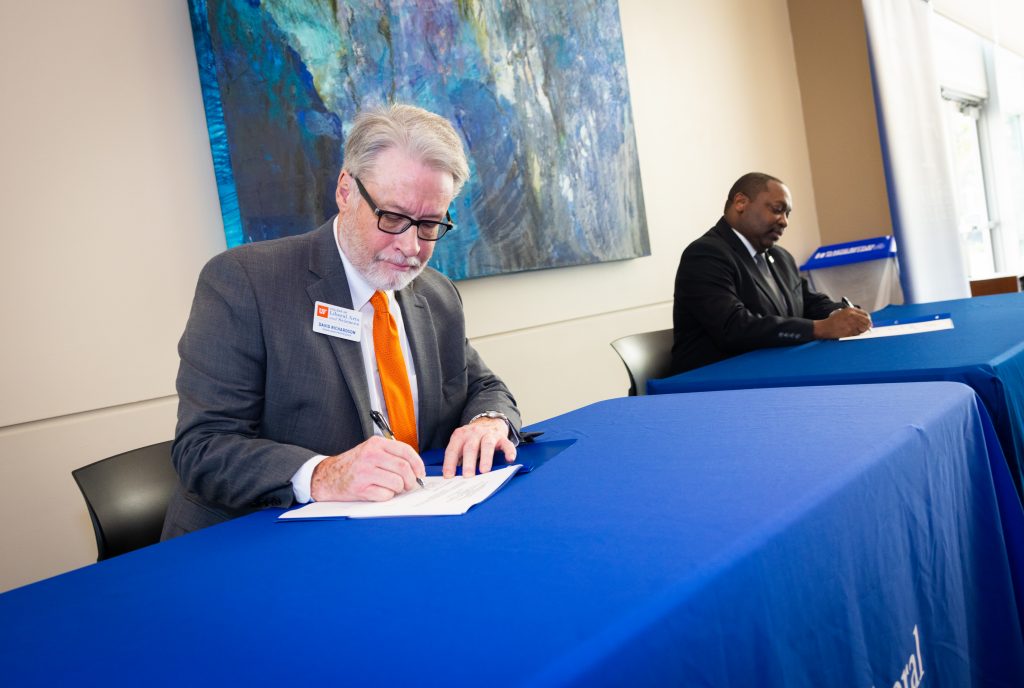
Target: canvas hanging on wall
point(537, 90)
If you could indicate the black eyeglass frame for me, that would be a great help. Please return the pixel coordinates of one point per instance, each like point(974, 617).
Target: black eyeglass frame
point(442, 227)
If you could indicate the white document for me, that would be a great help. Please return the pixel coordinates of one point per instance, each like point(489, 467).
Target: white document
point(899, 328)
point(439, 497)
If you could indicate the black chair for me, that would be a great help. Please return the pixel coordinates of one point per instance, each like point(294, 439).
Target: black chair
point(127, 496)
point(647, 355)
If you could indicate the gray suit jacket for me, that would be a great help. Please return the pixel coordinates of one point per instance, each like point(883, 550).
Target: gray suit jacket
point(260, 393)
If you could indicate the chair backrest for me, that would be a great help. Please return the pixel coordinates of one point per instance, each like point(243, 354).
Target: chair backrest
point(646, 355)
point(127, 496)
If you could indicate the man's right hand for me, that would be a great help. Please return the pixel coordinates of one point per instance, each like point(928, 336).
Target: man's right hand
point(845, 322)
point(374, 471)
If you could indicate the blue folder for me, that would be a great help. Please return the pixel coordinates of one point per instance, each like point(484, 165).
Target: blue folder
point(530, 456)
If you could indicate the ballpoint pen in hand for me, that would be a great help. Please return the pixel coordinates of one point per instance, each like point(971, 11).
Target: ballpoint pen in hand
point(847, 303)
point(382, 424)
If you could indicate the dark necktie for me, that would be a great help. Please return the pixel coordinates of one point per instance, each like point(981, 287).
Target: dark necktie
point(762, 265)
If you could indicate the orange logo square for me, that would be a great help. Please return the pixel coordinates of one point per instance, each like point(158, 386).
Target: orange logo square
point(321, 311)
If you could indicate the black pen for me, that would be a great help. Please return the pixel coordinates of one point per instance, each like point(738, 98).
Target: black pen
point(847, 303)
point(382, 423)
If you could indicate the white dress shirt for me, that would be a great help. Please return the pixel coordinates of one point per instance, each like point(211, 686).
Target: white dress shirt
point(361, 292)
point(745, 241)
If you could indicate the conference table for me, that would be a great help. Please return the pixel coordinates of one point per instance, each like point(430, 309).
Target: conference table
point(985, 349)
point(736, 538)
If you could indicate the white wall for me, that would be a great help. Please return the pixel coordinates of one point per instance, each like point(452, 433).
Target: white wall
point(111, 210)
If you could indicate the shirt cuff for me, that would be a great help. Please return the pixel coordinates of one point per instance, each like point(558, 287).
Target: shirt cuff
point(302, 481)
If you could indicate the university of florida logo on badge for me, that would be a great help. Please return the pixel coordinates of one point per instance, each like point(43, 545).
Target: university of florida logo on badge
point(337, 321)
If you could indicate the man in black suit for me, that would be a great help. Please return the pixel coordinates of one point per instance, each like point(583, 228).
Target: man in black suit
point(737, 291)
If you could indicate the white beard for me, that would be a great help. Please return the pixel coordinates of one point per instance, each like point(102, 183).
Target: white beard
point(371, 267)
point(383, 278)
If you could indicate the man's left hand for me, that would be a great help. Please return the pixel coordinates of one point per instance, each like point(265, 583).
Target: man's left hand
point(474, 445)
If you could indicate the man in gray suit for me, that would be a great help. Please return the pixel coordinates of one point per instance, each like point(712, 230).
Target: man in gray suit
point(279, 369)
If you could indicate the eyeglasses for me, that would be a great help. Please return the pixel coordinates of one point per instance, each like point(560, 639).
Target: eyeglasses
point(396, 223)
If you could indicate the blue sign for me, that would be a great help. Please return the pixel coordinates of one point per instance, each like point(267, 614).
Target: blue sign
point(851, 252)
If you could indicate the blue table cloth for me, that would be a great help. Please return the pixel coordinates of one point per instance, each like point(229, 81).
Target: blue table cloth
point(985, 350)
point(739, 538)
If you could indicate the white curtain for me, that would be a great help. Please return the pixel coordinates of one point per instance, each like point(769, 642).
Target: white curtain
point(918, 173)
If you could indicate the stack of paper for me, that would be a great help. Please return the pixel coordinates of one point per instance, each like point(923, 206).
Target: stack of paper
point(439, 497)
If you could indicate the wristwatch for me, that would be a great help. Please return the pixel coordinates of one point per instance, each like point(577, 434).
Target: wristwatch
point(513, 434)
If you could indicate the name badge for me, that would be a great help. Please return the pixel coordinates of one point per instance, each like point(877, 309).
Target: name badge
point(336, 321)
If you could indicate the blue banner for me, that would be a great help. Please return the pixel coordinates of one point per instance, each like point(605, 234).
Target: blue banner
point(851, 252)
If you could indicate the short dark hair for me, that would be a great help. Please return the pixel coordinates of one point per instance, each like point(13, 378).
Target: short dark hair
point(750, 185)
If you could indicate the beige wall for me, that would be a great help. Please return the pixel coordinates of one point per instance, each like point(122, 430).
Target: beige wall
point(110, 211)
point(839, 115)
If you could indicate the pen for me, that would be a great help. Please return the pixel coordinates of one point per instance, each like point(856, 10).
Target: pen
point(847, 303)
point(382, 423)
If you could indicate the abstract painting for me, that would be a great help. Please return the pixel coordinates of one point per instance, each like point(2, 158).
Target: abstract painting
point(537, 90)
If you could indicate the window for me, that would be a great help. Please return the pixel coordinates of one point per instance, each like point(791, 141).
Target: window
point(1013, 146)
point(974, 226)
point(983, 94)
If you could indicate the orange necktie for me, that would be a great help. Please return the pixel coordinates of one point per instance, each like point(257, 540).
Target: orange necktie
point(394, 379)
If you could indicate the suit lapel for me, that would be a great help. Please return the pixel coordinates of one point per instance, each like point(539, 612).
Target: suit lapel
point(766, 291)
point(419, 327)
point(747, 261)
point(776, 267)
point(332, 287)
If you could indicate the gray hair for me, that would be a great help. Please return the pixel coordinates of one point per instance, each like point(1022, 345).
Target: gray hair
point(426, 136)
point(750, 185)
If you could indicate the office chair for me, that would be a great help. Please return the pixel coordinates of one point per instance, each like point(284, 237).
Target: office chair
point(646, 355)
point(127, 496)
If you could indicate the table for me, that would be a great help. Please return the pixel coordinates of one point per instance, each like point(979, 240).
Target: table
point(696, 539)
point(984, 350)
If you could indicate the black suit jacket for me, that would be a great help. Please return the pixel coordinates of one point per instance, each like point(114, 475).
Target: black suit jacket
point(260, 393)
point(724, 307)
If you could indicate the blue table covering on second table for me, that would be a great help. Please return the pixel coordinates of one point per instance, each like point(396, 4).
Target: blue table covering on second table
point(984, 350)
point(742, 538)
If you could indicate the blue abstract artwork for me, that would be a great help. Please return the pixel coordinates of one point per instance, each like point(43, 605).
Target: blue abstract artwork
point(537, 90)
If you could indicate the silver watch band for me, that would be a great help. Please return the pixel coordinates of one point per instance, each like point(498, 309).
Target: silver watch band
point(513, 434)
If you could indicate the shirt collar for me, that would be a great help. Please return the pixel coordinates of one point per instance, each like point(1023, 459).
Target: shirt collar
point(750, 248)
point(357, 285)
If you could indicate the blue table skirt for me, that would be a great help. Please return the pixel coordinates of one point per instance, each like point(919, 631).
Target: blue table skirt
point(781, 537)
point(985, 351)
